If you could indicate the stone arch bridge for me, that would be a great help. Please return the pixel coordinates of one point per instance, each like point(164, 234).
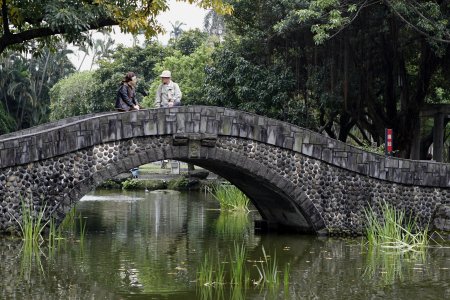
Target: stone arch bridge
point(296, 178)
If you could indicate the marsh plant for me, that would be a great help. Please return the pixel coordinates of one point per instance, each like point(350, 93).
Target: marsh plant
point(393, 230)
point(237, 271)
point(268, 271)
point(32, 225)
point(395, 243)
point(230, 197)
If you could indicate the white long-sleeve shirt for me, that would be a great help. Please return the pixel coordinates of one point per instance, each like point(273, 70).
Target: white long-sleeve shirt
point(168, 93)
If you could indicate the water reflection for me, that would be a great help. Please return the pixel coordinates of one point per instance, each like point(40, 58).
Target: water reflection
point(149, 245)
point(233, 225)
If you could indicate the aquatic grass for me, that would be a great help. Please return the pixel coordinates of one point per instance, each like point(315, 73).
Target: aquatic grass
point(82, 224)
point(212, 272)
point(30, 256)
point(206, 270)
point(268, 271)
point(69, 223)
point(237, 264)
point(31, 226)
point(394, 242)
point(219, 274)
point(393, 230)
point(230, 197)
point(287, 269)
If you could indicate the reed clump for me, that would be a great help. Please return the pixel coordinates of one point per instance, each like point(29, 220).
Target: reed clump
point(392, 229)
point(230, 197)
point(239, 272)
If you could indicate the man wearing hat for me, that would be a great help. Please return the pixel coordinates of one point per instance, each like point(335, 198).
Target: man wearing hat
point(168, 93)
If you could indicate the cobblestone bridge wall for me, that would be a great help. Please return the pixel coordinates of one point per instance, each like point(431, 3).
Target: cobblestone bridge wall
point(296, 178)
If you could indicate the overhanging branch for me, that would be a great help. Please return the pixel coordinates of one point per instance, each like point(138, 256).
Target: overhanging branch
point(27, 35)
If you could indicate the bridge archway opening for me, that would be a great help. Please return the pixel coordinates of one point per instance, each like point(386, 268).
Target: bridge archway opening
point(278, 209)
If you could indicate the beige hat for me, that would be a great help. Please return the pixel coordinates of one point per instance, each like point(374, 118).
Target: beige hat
point(166, 74)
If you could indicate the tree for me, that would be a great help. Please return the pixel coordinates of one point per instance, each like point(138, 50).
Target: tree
point(47, 22)
point(395, 48)
point(189, 41)
point(176, 29)
point(7, 123)
point(25, 84)
point(358, 66)
point(73, 96)
point(141, 60)
point(188, 71)
point(214, 23)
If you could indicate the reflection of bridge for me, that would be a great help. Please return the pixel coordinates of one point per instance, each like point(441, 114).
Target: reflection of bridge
point(296, 178)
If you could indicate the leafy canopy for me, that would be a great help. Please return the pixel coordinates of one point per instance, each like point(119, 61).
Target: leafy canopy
point(28, 25)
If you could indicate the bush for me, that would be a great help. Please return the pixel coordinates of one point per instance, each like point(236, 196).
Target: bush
point(131, 184)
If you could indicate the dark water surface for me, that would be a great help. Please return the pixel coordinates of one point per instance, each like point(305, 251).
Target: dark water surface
point(150, 246)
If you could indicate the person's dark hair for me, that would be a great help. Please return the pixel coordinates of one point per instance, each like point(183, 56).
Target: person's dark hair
point(128, 76)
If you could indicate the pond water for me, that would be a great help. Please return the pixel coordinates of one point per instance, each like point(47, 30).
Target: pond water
point(151, 245)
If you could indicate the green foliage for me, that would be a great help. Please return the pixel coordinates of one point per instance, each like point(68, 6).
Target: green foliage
point(188, 71)
point(179, 183)
point(131, 184)
point(46, 23)
point(230, 197)
point(25, 83)
point(237, 82)
point(188, 41)
point(73, 96)
point(7, 123)
point(140, 60)
point(111, 184)
point(216, 271)
point(391, 229)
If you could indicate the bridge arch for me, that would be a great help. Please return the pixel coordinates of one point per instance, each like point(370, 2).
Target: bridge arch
point(296, 178)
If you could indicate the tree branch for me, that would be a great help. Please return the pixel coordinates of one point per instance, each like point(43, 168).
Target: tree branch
point(12, 39)
point(6, 31)
point(415, 27)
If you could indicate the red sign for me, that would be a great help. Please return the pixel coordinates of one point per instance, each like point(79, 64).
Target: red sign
point(388, 140)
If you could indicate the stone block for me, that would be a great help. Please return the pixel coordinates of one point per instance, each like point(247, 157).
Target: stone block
point(170, 128)
point(225, 126)
point(203, 124)
point(196, 126)
point(171, 117)
point(235, 129)
point(404, 164)
point(272, 135)
point(150, 128)
point(288, 143)
point(391, 162)
point(317, 151)
point(298, 142)
point(327, 155)
point(243, 130)
point(307, 149)
point(127, 132)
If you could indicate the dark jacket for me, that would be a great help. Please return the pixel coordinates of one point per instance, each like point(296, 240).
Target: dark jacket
point(126, 98)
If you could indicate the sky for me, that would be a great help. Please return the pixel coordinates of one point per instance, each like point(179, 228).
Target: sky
point(186, 13)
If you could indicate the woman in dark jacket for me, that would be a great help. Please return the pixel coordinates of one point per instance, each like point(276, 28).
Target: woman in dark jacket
point(126, 95)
